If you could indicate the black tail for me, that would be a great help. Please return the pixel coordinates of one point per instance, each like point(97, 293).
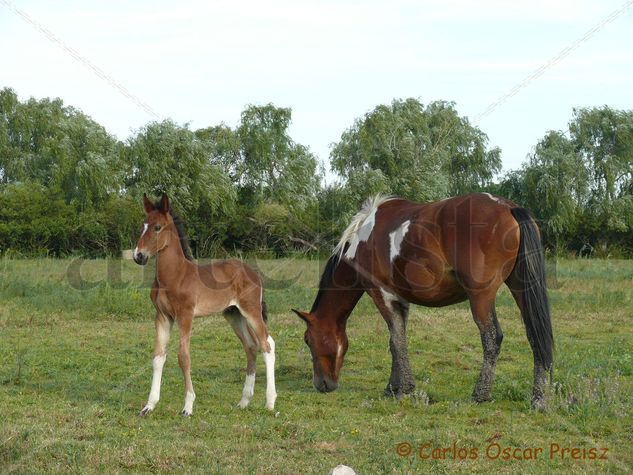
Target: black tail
point(529, 272)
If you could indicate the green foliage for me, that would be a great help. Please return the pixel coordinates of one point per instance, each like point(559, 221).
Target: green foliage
point(58, 147)
point(581, 187)
point(421, 153)
point(35, 221)
point(271, 165)
point(74, 189)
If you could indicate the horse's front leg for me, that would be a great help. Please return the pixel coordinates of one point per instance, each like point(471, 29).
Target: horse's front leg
point(395, 312)
point(163, 326)
point(184, 360)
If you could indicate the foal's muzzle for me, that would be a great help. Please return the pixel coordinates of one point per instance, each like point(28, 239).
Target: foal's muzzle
point(140, 258)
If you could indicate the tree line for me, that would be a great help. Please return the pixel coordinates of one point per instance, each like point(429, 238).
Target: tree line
point(67, 186)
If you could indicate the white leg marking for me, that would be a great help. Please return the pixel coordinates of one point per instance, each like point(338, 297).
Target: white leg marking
point(249, 390)
point(154, 394)
point(396, 237)
point(269, 360)
point(388, 298)
point(189, 398)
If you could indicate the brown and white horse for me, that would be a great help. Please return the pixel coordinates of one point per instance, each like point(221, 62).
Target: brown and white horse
point(183, 290)
point(433, 254)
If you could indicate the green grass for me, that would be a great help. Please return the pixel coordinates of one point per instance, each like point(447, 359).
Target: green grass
point(75, 369)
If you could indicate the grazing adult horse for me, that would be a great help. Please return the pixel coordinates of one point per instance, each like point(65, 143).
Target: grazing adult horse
point(432, 254)
point(183, 290)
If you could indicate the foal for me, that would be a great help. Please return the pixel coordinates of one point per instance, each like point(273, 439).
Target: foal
point(183, 290)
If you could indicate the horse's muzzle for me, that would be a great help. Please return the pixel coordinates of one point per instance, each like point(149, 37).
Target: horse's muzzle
point(324, 385)
point(140, 258)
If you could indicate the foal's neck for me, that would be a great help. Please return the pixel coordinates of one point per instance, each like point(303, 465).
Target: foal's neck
point(171, 262)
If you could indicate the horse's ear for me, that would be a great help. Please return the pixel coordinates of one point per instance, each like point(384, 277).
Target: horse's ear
point(305, 316)
point(147, 204)
point(164, 204)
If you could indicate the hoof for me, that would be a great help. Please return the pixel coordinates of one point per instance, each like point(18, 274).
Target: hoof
point(399, 392)
point(145, 411)
point(481, 399)
point(185, 413)
point(538, 404)
point(243, 404)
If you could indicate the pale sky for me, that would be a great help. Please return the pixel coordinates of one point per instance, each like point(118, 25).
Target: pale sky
point(330, 61)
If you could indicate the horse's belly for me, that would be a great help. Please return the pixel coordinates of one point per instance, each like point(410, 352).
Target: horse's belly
point(422, 285)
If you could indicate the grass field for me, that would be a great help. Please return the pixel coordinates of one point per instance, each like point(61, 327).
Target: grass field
point(75, 368)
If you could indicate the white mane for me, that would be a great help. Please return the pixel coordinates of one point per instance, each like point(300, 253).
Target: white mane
point(360, 227)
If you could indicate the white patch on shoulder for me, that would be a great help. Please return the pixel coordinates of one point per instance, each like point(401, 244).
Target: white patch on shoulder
point(493, 198)
point(360, 227)
point(395, 239)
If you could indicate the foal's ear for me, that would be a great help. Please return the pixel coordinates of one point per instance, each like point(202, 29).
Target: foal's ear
point(163, 206)
point(305, 316)
point(147, 204)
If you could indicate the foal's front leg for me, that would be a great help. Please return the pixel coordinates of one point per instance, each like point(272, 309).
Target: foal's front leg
point(163, 326)
point(184, 360)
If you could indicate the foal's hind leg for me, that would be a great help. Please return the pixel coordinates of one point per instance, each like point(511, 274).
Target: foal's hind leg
point(184, 360)
point(253, 314)
point(239, 325)
point(395, 313)
point(485, 316)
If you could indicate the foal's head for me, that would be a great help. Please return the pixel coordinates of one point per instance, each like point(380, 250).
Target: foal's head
point(328, 343)
point(157, 232)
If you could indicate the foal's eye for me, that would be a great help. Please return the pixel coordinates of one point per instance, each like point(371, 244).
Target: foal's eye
point(157, 227)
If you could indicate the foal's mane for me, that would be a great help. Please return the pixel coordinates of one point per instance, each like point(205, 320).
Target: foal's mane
point(180, 228)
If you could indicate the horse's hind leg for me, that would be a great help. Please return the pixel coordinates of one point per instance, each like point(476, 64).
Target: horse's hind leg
point(239, 325)
point(485, 316)
point(253, 314)
point(395, 313)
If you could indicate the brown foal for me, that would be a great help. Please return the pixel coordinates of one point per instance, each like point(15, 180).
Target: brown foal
point(183, 290)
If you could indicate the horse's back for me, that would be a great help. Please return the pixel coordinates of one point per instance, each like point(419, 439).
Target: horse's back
point(435, 253)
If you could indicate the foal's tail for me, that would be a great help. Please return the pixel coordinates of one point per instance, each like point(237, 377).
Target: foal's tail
point(529, 274)
point(265, 311)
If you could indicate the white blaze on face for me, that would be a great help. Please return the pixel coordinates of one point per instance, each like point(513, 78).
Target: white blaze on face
point(395, 239)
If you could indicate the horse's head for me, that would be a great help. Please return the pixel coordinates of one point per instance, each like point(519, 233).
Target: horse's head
point(328, 344)
point(153, 240)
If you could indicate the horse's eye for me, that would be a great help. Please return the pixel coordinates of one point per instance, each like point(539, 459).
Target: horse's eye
point(157, 227)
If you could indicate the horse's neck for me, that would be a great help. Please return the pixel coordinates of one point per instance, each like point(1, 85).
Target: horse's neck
point(171, 263)
point(341, 295)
